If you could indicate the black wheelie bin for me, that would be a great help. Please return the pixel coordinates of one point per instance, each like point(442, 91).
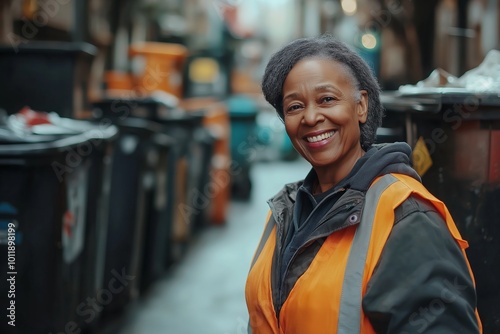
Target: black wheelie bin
point(46, 75)
point(456, 135)
point(140, 212)
point(53, 200)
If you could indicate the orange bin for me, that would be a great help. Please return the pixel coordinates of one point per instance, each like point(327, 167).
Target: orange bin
point(216, 119)
point(158, 66)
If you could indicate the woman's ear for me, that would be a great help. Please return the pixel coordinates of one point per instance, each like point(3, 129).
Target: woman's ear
point(362, 106)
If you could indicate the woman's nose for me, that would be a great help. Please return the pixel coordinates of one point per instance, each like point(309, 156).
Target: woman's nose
point(312, 115)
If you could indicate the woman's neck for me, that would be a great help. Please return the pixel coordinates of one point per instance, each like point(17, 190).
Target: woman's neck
point(330, 176)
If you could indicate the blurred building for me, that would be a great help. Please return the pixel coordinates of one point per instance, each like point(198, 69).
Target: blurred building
point(403, 40)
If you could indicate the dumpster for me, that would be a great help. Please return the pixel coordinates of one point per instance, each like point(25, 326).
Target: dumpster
point(53, 200)
point(49, 76)
point(243, 113)
point(458, 134)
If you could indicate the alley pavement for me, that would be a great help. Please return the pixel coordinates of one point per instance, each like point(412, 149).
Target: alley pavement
point(204, 292)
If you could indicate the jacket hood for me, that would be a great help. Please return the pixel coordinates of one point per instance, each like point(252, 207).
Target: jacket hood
point(379, 160)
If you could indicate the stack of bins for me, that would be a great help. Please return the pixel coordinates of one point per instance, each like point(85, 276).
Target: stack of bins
point(460, 133)
point(141, 212)
point(53, 202)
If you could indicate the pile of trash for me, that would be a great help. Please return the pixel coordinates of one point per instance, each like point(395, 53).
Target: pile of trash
point(29, 125)
point(485, 79)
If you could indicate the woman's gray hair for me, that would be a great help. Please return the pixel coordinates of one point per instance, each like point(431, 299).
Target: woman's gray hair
point(282, 62)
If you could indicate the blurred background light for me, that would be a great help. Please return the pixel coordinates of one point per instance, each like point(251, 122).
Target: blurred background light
point(369, 41)
point(349, 6)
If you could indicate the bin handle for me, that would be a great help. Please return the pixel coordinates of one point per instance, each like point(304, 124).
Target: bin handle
point(428, 107)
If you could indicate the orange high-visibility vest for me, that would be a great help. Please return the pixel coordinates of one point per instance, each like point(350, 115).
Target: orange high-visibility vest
point(327, 298)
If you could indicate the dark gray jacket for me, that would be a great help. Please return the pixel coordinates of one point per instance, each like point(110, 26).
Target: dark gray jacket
point(421, 283)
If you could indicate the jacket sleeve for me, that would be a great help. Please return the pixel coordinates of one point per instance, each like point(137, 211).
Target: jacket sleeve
point(421, 283)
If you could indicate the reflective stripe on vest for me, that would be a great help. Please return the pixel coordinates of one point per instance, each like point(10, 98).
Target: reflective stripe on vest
point(352, 287)
point(267, 232)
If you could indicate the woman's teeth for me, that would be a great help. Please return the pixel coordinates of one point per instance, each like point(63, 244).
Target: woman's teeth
point(322, 136)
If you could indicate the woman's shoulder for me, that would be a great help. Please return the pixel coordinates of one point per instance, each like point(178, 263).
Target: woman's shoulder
point(412, 205)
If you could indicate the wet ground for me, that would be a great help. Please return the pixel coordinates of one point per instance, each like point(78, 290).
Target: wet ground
point(204, 292)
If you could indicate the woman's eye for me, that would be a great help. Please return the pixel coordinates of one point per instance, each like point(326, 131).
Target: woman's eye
point(328, 99)
point(293, 107)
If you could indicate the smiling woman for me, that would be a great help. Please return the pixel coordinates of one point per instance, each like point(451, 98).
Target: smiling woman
point(358, 246)
point(322, 116)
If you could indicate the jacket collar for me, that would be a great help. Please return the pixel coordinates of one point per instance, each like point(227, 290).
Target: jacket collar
point(282, 203)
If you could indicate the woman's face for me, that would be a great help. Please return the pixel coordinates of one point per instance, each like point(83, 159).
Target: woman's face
point(322, 111)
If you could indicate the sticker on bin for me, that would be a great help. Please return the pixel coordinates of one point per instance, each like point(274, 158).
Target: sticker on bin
point(421, 157)
point(74, 219)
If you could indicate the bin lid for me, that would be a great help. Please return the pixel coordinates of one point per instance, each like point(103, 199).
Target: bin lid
point(397, 102)
point(37, 133)
point(436, 100)
point(147, 129)
point(158, 104)
point(184, 119)
point(49, 47)
point(140, 124)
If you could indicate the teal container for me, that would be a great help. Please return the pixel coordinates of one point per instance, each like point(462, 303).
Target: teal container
point(243, 113)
